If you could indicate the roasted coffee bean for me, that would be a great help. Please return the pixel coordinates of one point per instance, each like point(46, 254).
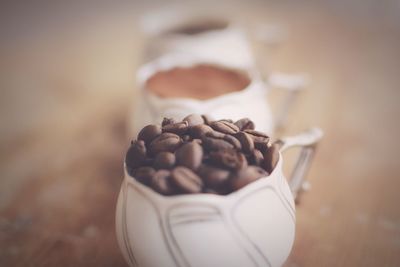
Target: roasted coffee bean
point(197, 141)
point(262, 146)
point(215, 144)
point(246, 176)
point(194, 119)
point(213, 177)
point(210, 191)
point(200, 130)
point(226, 120)
point(189, 155)
point(256, 158)
point(246, 142)
point(165, 142)
point(245, 124)
point(207, 119)
point(136, 155)
point(258, 137)
point(161, 182)
point(144, 174)
point(186, 138)
point(164, 160)
point(215, 134)
point(224, 127)
point(167, 121)
point(149, 133)
point(271, 158)
point(228, 158)
point(179, 128)
point(186, 180)
point(234, 141)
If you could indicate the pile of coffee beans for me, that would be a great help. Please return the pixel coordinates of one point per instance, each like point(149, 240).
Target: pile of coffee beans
point(200, 155)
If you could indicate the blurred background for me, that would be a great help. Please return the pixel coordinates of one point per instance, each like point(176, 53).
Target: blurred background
point(68, 83)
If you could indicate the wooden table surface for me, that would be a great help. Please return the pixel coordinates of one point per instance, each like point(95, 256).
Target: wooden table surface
point(67, 88)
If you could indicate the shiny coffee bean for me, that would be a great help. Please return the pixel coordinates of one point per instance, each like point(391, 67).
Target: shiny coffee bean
point(207, 119)
point(245, 124)
point(194, 119)
point(215, 144)
point(246, 176)
point(179, 128)
point(165, 142)
point(228, 158)
point(234, 141)
point(186, 180)
point(136, 155)
point(200, 130)
point(258, 137)
point(164, 160)
point(167, 121)
point(226, 120)
point(215, 134)
point(256, 158)
point(161, 182)
point(213, 177)
point(144, 174)
point(262, 146)
point(271, 158)
point(210, 191)
point(149, 133)
point(189, 155)
point(186, 138)
point(246, 141)
point(224, 127)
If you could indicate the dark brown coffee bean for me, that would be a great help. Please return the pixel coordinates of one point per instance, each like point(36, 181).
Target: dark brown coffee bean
point(262, 146)
point(167, 121)
point(179, 128)
point(226, 120)
point(164, 160)
point(210, 191)
point(161, 183)
point(271, 158)
point(246, 142)
point(136, 155)
point(149, 133)
point(215, 144)
point(256, 158)
point(246, 176)
point(228, 158)
point(197, 141)
point(144, 174)
point(224, 127)
point(186, 138)
point(200, 130)
point(207, 119)
point(258, 137)
point(234, 141)
point(213, 177)
point(215, 134)
point(245, 124)
point(186, 180)
point(190, 155)
point(165, 142)
point(194, 119)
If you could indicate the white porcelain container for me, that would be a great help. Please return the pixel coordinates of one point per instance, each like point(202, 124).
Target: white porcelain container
point(250, 102)
point(254, 226)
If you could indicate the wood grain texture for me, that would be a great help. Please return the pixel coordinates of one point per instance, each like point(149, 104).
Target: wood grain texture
point(66, 97)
